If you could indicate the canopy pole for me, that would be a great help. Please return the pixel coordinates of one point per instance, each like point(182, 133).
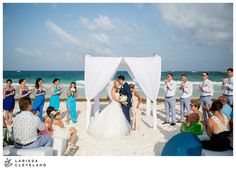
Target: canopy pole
point(154, 114)
point(148, 106)
point(96, 106)
point(88, 113)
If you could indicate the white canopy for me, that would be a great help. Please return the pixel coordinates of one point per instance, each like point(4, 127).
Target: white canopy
point(99, 71)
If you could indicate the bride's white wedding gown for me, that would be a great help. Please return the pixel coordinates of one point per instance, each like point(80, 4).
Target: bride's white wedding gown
point(111, 122)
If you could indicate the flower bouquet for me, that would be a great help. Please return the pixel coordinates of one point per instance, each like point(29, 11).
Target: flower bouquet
point(123, 99)
point(43, 91)
point(73, 90)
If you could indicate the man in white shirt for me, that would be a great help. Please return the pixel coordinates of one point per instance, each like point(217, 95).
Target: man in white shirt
point(206, 87)
point(170, 89)
point(26, 126)
point(186, 88)
point(227, 86)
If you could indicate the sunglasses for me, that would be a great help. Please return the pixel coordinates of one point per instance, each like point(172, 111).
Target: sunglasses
point(203, 75)
point(191, 105)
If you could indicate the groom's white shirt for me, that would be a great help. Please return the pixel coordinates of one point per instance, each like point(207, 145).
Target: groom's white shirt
point(121, 86)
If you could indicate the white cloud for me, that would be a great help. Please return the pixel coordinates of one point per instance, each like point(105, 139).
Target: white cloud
point(102, 38)
point(57, 44)
point(28, 52)
point(66, 37)
point(128, 41)
point(102, 23)
point(204, 23)
point(88, 46)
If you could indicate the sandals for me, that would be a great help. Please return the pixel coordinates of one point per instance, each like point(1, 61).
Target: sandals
point(74, 150)
point(68, 150)
point(71, 150)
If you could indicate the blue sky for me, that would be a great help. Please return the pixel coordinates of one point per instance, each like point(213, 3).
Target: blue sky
point(192, 37)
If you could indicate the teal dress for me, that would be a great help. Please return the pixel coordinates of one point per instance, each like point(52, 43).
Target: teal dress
point(71, 105)
point(39, 103)
point(55, 99)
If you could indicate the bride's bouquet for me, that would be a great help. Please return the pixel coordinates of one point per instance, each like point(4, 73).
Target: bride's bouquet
point(73, 90)
point(123, 99)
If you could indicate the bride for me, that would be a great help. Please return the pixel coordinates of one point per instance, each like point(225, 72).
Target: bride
point(111, 122)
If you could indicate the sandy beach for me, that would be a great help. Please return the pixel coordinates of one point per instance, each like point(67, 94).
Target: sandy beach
point(145, 142)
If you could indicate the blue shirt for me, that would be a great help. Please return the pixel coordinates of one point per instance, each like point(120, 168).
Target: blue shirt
point(227, 110)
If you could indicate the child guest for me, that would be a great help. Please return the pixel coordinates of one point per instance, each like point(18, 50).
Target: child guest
point(135, 109)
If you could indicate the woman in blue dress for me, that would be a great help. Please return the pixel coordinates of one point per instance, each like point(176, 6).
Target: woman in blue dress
point(24, 91)
point(39, 93)
point(8, 101)
point(55, 91)
point(72, 93)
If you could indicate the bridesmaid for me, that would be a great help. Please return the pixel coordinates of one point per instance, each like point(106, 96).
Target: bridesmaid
point(8, 101)
point(72, 93)
point(39, 93)
point(24, 91)
point(55, 91)
point(135, 109)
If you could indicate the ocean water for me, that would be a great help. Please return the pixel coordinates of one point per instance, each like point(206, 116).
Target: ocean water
point(66, 77)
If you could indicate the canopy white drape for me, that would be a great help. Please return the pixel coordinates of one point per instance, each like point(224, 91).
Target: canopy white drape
point(147, 72)
point(98, 73)
point(100, 70)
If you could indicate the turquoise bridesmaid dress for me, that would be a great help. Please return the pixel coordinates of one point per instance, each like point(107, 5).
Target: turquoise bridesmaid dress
point(55, 99)
point(71, 104)
point(38, 104)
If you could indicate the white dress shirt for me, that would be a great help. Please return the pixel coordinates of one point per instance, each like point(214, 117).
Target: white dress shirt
point(206, 88)
point(25, 127)
point(228, 87)
point(170, 88)
point(187, 91)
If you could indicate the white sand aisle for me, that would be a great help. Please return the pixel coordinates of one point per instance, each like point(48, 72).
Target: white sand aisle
point(143, 142)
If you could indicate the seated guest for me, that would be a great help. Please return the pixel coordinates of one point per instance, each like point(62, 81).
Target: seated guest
point(48, 126)
point(193, 120)
point(60, 130)
point(25, 127)
point(227, 109)
point(217, 129)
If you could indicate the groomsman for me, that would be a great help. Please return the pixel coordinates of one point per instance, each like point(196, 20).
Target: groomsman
point(170, 89)
point(206, 87)
point(186, 88)
point(227, 86)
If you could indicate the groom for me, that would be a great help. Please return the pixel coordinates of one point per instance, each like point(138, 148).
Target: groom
point(125, 90)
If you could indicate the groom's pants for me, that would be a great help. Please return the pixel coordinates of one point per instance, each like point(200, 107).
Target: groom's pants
point(126, 110)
